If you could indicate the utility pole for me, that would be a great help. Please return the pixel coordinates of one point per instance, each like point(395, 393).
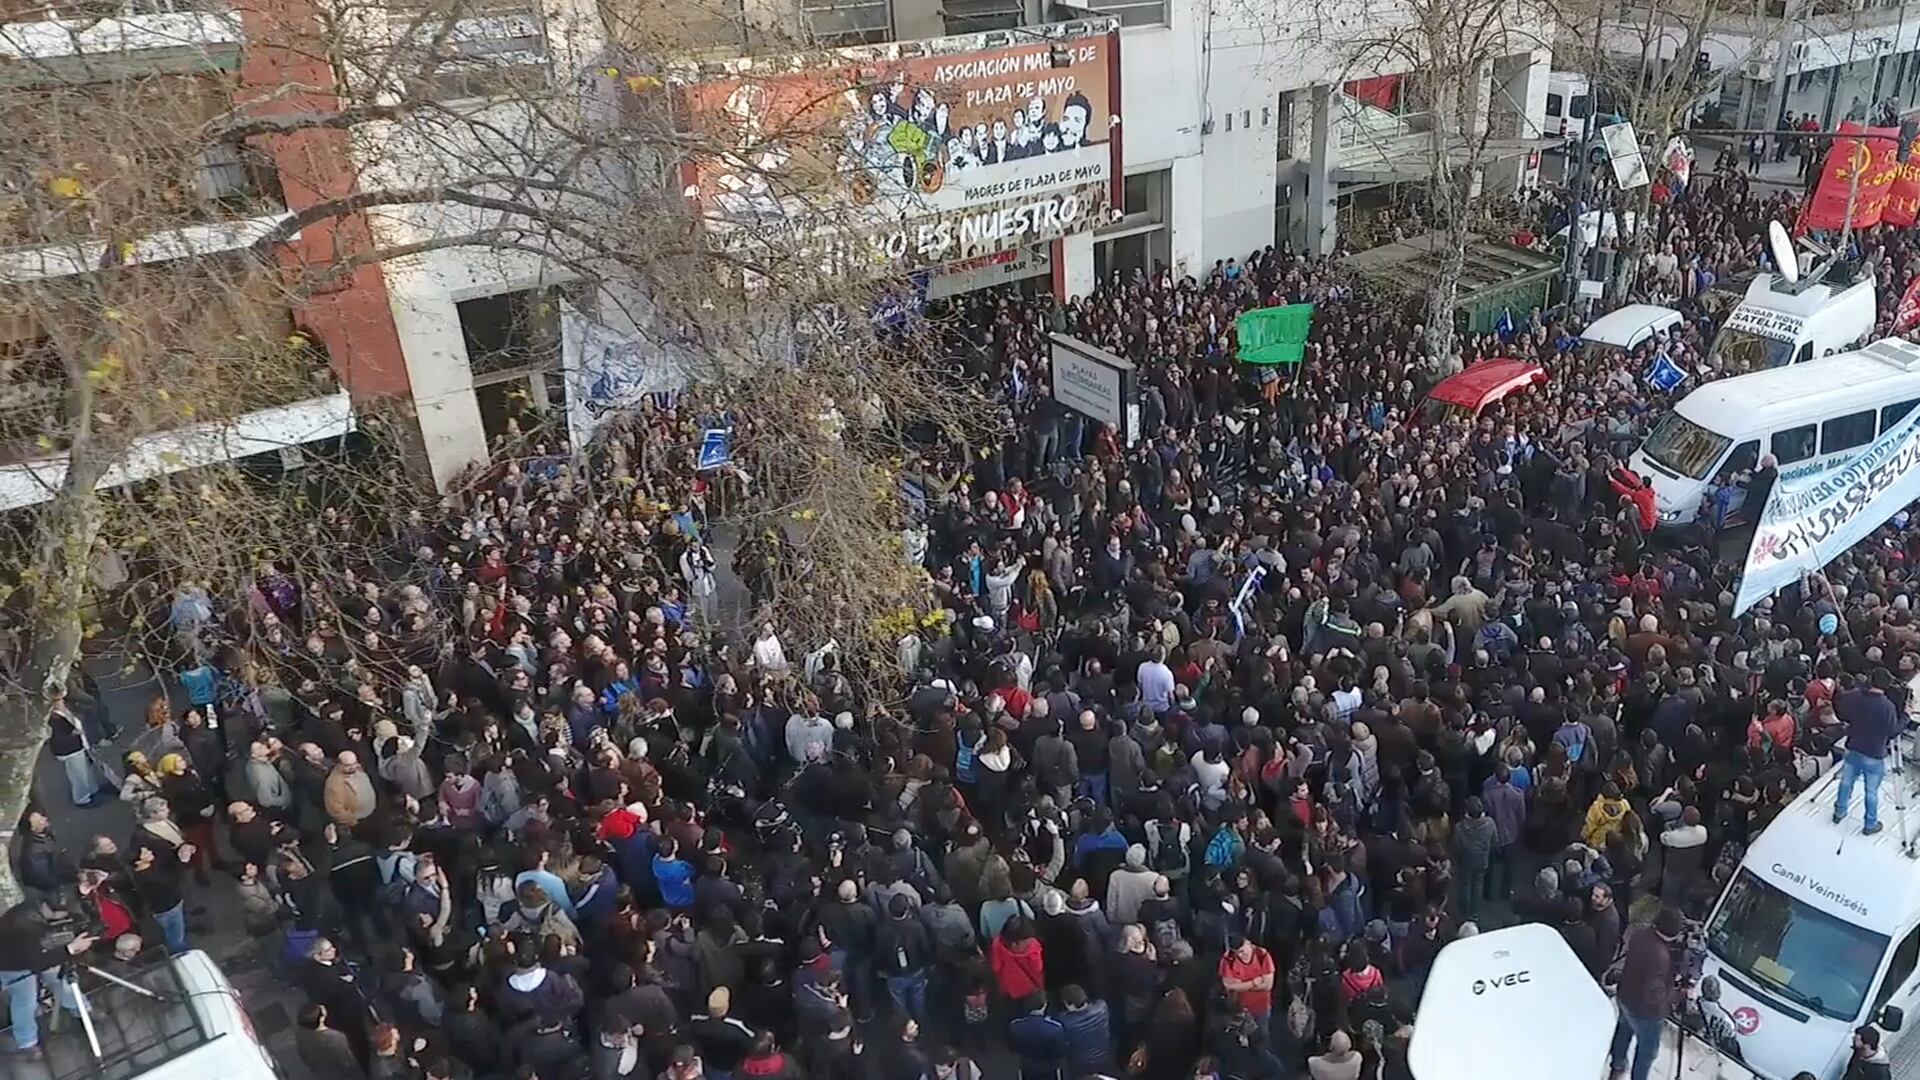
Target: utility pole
point(1571, 272)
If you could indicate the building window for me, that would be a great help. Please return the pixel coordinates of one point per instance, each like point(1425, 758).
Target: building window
point(482, 49)
point(975, 16)
point(1141, 239)
point(510, 334)
point(849, 22)
point(239, 177)
point(1135, 12)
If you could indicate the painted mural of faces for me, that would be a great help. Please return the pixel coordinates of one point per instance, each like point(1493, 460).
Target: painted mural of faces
point(1037, 112)
point(1074, 118)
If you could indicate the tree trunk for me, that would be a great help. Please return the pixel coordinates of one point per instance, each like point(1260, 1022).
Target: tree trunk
point(63, 578)
point(1626, 266)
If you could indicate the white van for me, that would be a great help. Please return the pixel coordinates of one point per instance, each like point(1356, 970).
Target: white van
point(1810, 417)
point(185, 1023)
point(1621, 331)
point(1818, 933)
point(1776, 325)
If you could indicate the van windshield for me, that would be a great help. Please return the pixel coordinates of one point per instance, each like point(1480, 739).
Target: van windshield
point(1737, 352)
point(1681, 446)
point(1811, 958)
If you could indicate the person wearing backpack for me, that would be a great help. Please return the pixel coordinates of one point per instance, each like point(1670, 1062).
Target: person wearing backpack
point(1055, 764)
point(396, 867)
point(1576, 738)
point(1170, 846)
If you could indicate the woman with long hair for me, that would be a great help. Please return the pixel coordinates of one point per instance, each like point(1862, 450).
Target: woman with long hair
point(1174, 1039)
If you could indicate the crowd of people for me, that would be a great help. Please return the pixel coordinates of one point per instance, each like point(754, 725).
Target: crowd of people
point(1229, 733)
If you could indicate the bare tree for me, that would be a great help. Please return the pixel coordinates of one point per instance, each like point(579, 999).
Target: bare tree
point(1648, 58)
point(1449, 50)
point(517, 133)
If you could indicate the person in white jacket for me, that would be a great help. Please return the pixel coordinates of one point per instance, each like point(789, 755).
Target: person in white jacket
point(1000, 584)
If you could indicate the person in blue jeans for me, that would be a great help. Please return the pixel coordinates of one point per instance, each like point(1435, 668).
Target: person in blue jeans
point(1872, 722)
point(1646, 993)
point(28, 961)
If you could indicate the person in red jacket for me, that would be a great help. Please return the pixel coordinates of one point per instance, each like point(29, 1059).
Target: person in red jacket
point(1019, 964)
point(1634, 488)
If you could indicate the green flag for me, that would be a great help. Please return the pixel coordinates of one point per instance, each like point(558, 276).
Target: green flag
point(1275, 335)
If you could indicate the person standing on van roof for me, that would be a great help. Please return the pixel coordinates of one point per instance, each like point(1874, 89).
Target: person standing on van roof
point(1872, 722)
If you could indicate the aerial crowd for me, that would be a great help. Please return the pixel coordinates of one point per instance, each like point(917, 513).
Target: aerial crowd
point(1227, 734)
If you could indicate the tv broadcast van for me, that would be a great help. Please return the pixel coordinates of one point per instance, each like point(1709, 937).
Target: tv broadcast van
point(1811, 417)
point(1781, 322)
point(1818, 932)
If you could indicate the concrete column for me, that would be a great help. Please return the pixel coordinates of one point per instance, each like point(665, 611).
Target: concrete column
point(1322, 193)
point(1074, 272)
point(1777, 92)
point(914, 20)
point(1746, 117)
point(444, 403)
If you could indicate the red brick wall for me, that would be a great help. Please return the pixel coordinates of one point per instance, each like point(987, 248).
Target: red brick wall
point(347, 312)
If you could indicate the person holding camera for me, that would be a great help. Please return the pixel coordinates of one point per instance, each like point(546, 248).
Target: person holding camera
point(31, 953)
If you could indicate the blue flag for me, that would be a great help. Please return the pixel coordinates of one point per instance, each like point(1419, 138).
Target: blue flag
point(716, 448)
point(1665, 375)
point(1504, 327)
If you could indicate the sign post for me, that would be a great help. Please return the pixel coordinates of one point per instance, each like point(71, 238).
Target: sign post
point(1098, 384)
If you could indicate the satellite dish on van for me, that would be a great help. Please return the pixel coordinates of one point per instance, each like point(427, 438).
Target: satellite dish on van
point(1782, 247)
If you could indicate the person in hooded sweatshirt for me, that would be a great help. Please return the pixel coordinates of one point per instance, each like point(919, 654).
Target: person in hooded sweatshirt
point(534, 990)
point(1604, 816)
point(673, 875)
point(767, 1061)
point(1018, 961)
point(1129, 886)
point(1869, 1061)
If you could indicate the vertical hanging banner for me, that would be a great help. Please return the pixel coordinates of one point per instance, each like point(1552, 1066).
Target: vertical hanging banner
point(1275, 335)
point(1873, 160)
point(1808, 524)
point(1907, 315)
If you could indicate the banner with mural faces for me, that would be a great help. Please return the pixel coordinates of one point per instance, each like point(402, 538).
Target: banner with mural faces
point(1872, 161)
point(896, 157)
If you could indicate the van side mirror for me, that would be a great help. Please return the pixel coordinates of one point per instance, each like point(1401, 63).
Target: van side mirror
point(1892, 1017)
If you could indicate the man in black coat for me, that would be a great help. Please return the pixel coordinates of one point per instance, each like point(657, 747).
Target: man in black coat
point(325, 1051)
point(331, 983)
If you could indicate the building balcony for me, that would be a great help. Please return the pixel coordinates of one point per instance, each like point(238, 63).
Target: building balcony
point(33, 480)
point(197, 33)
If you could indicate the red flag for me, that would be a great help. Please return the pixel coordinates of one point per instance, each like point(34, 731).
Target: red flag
point(1903, 197)
point(1873, 160)
point(1907, 315)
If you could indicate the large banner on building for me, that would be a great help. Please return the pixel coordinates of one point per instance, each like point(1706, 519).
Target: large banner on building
point(606, 372)
point(1872, 161)
point(901, 156)
point(1807, 525)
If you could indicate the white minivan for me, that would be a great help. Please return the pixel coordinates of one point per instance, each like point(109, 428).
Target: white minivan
point(1811, 417)
point(1620, 331)
point(1818, 933)
point(180, 1019)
